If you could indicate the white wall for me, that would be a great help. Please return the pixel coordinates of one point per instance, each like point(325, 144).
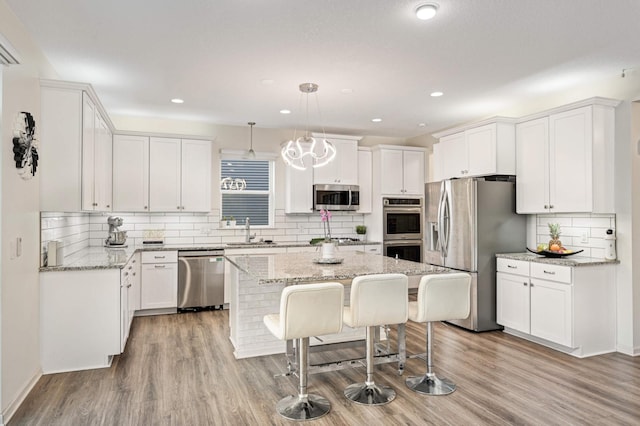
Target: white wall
point(19, 304)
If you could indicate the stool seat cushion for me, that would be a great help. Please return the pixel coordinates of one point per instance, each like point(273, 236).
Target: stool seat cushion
point(377, 300)
point(307, 310)
point(442, 297)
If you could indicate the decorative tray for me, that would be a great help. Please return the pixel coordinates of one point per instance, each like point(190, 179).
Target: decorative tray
point(547, 253)
point(331, 261)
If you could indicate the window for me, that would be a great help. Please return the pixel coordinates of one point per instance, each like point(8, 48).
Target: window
point(255, 200)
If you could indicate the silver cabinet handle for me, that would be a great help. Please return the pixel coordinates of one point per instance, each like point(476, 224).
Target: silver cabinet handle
point(129, 286)
point(550, 206)
point(125, 274)
point(549, 272)
point(160, 266)
point(178, 207)
point(158, 257)
point(134, 274)
point(524, 284)
point(512, 267)
point(145, 207)
point(531, 285)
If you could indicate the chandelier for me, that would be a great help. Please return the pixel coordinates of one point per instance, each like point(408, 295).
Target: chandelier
point(306, 151)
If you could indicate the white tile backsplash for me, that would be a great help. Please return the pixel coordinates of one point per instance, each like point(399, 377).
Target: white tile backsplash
point(575, 227)
point(199, 228)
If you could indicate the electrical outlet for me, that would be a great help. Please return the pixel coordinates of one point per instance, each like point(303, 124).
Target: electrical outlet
point(584, 238)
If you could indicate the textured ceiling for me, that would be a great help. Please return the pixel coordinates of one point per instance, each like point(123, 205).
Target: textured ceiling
point(487, 56)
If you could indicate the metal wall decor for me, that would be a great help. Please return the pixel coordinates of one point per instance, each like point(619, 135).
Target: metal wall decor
point(25, 146)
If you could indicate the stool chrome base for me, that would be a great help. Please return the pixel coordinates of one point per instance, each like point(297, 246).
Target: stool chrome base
point(429, 384)
point(369, 394)
point(294, 407)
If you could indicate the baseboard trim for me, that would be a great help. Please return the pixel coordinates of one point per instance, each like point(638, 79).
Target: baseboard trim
point(628, 350)
point(11, 409)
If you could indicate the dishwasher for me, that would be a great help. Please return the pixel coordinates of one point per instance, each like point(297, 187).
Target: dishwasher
point(200, 279)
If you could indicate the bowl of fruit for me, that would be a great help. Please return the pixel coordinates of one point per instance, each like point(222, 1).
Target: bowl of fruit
point(555, 247)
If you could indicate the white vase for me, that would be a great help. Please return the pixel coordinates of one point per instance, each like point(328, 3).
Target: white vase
point(328, 250)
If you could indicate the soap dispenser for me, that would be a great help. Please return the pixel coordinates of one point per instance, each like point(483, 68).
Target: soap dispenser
point(610, 245)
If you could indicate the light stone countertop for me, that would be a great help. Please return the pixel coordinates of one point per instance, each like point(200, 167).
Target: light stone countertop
point(294, 268)
point(113, 257)
point(564, 261)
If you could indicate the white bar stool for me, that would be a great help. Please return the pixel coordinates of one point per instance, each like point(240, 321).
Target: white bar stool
point(441, 297)
point(375, 300)
point(306, 310)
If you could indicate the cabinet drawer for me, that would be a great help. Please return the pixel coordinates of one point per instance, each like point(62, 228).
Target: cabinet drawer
point(518, 267)
point(159, 256)
point(551, 272)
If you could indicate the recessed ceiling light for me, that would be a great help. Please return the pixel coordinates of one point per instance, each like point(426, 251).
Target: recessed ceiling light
point(436, 94)
point(267, 81)
point(285, 111)
point(376, 120)
point(426, 11)
point(422, 124)
point(346, 91)
point(177, 101)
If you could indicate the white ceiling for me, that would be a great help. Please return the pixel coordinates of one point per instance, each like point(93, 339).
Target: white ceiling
point(487, 56)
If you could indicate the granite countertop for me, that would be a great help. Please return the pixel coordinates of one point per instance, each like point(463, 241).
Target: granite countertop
point(115, 257)
point(295, 268)
point(564, 261)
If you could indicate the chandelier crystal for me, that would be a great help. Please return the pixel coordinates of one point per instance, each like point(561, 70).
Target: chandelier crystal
point(305, 151)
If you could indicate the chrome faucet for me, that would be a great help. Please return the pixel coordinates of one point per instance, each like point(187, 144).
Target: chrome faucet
point(247, 231)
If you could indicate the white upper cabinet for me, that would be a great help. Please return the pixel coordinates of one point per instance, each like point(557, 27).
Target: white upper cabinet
point(565, 160)
point(476, 150)
point(130, 173)
point(298, 190)
point(195, 185)
point(75, 148)
point(164, 174)
point(343, 170)
point(398, 170)
point(179, 175)
point(364, 179)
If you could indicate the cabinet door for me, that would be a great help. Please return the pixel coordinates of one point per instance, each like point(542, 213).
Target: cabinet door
point(61, 128)
point(343, 169)
point(130, 173)
point(413, 172)
point(532, 166)
point(392, 171)
point(453, 156)
point(551, 314)
point(364, 180)
point(164, 174)
point(570, 143)
point(512, 301)
point(159, 286)
point(298, 190)
point(88, 152)
point(481, 150)
point(124, 309)
point(196, 176)
point(103, 166)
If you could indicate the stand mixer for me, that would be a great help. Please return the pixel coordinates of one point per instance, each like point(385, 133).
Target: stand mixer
point(116, 236)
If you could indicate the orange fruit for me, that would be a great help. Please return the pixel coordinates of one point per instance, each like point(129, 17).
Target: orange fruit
point(554, 247)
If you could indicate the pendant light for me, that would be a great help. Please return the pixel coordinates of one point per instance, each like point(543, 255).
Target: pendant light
point(251, 154)
point(305, 151)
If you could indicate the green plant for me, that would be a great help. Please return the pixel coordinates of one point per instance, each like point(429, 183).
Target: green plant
point(361, 229)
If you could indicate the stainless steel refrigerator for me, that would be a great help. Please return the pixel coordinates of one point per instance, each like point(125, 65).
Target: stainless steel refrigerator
point(468, 221)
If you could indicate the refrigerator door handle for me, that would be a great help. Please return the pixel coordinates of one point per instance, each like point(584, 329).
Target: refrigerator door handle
point(446, 222)
point(439, 245)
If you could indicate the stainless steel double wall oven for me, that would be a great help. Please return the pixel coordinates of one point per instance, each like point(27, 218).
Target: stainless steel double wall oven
point(402, 223)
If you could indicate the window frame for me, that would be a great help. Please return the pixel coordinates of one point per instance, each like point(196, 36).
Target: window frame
point(234, 155)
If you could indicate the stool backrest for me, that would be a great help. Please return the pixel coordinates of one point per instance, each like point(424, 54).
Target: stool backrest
point(379, 299)
point(443, 297)
point(311, 310)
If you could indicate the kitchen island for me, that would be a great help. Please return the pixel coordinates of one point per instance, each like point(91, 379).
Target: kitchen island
point(257, 282)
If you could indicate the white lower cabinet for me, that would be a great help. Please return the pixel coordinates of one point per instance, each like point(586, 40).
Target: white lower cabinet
point(159, 286)
point(129, 296)
point(568, 308)
point(80, 319)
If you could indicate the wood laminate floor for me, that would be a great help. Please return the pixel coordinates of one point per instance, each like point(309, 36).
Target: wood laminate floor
point(180, 370)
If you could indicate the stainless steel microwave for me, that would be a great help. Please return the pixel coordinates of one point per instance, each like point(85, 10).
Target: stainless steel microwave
point(336, 197)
